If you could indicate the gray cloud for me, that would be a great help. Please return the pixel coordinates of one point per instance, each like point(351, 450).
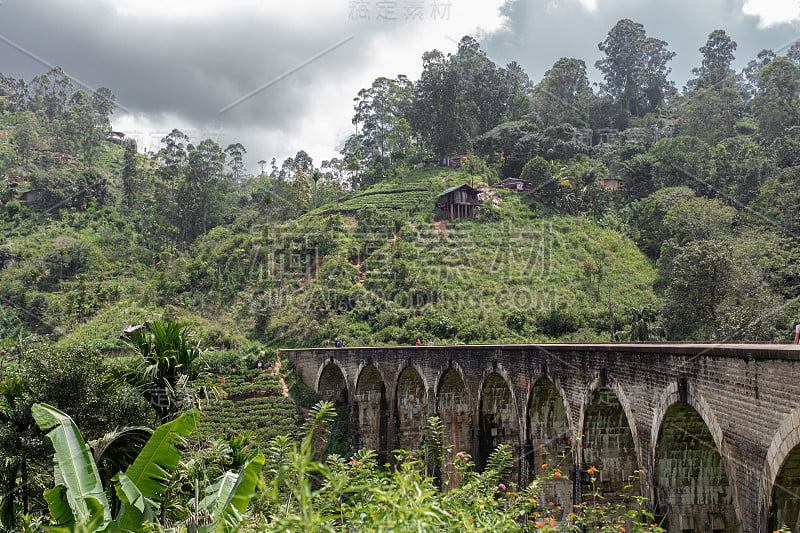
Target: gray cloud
point(172, 71)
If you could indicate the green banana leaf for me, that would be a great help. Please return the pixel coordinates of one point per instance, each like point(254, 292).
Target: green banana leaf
point(76, 476)
point(92, 526)
point(227, 499)
point(136, 509)
point(155, 464)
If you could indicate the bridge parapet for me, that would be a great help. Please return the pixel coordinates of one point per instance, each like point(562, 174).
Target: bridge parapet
point(712, 426)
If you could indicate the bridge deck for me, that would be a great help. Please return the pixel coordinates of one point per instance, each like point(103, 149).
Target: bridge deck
point(752, 350)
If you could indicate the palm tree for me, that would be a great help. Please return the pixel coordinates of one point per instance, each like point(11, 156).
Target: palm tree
point(167, 362)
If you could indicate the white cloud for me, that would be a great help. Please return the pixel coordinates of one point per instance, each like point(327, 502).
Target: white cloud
point(590, 5)
point(773, 12)
point(311, 108)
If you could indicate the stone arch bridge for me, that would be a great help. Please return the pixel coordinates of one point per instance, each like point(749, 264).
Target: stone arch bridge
point(714, 429)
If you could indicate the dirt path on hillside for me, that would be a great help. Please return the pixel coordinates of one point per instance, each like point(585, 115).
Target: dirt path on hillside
point(362, 272)
point(441, 225)
point(277, 371)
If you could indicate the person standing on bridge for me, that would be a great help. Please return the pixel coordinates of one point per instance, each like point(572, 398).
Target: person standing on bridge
point(797, 331)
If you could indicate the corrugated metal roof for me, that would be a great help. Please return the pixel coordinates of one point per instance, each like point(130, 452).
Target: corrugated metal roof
point(451, 189)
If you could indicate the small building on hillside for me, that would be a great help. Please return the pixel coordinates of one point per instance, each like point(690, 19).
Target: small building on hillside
point(513, 184)
point(458, 202)
point(116, 137)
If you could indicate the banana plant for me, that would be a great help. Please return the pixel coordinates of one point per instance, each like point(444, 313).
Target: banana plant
point(78, 498)
point(78, 502)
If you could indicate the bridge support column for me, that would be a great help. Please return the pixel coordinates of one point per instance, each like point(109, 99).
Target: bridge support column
point(353, 430)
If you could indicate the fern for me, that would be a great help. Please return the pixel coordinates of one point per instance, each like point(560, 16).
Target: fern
point(432, 447)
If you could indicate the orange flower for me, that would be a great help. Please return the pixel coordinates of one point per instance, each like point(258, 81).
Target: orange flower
point(544, 465)
point(592, 470)
point(557, 474)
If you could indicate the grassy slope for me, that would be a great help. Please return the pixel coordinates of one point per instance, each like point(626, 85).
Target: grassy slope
point(351, 269)
point(505, 277)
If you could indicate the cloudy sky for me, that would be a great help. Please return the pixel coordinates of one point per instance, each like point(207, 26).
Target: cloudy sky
point(280, 75)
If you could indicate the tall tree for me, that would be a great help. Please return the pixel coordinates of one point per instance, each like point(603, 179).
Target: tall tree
point(635, 68)
point(776, 105)
point(436, 114)
point(173, 157)
point(104, 101)
point(750, 71)
point(463, 95)
point(27, 137)
point(715, 70)
point(519, 89)
point(200, 196)
point(564, 94)
point(51, 92)
point(86, 127)
point(17, 92)
point(235, 153)
point(380, 111)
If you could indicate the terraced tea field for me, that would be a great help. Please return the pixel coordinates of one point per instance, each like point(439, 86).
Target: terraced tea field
point(254, 403)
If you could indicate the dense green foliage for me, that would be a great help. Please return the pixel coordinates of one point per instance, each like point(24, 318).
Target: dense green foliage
point(298, 491)
point(698, 243)
point(292, 258)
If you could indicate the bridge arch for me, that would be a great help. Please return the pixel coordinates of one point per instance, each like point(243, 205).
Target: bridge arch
point(453, 405)
point(781, 478)
point(326, 373)
point(332, 386)
point(609, 441)
point(411, 408)
point(677, 392)
point(548, 435)
point(498, 420)
point(371, 409)
point(682, 392)
point(691, 484)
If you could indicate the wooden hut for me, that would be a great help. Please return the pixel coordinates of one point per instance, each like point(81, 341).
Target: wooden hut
point(458, 202)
